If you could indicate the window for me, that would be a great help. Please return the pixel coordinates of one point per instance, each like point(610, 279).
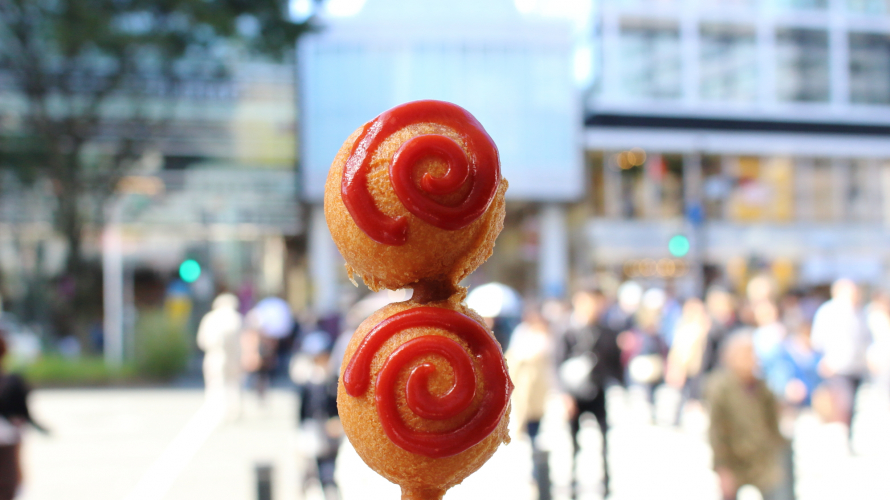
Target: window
point(650, 60)
point(801, 4)
point(862, 194)
point(763, 189)
point(802, 57)
point(651, 188)
point(728, 63)
point(826, 205)
point(717, 184)
point(869, 6)
point(869, 68)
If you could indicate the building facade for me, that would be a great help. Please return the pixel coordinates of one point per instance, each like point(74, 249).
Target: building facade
point(756, 131)
point(760, 130)
point(512, 71)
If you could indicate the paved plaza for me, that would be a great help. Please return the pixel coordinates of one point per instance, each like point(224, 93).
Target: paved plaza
point(166, 444)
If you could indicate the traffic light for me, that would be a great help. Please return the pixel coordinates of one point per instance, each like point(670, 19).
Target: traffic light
point(190, 270)
point(678, 246)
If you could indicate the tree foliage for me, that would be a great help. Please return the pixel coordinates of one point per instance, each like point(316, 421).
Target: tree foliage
point(90, 74)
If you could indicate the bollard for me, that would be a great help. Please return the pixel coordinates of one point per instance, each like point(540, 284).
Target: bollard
point(264, 481)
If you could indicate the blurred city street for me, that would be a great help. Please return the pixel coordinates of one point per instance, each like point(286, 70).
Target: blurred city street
point(673, 215)
point(133, 444)
point(108, 444)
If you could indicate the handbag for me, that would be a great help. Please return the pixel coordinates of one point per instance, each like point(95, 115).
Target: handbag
point(646, 368)
point(576, 375)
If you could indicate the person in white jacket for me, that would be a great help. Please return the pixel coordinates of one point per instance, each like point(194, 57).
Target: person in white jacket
point(840, 334)
point(219, 338)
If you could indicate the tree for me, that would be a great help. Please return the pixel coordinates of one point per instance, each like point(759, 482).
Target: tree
point(96, 76)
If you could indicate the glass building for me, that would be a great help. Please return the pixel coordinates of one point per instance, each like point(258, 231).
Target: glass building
point(759, 129)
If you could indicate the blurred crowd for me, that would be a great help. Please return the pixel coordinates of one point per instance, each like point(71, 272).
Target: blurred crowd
point(750, 360)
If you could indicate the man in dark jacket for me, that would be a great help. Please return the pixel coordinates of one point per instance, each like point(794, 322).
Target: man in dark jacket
point(319, 419)
point(587, 358)
point(14, 414)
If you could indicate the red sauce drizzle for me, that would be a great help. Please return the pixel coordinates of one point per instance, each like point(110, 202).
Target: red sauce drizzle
point(484, 420)
point(481, 169)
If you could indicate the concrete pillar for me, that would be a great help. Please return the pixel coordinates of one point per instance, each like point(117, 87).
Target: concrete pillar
point(323, 264)
point(553, 267)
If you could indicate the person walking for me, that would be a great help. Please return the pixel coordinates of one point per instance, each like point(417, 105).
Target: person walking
point(686, 355)
point(319, 422)
point(721, 307)
point(529, 359)
point(645, 349)
point(14, 414)
point(588, 357)
point(744, 431)
point(794, 372)
point(878, 318)
point(218, 337)
point(840, 334)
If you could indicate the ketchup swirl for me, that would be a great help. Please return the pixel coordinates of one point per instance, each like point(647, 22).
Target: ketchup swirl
point(481, 169)
point(483, 347)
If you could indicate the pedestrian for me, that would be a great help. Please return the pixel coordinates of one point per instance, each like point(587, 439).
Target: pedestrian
point(319, 423)
point(794, 373)
point(620, 316)
point(840, 334)
point(529, 359)
point(720, 305)
point(878, 318)
point(744, 430)
point(218, 337)
point(645, 349)
point(588, 357)
point(769, 334)
point(686, 355)
point(14, 415)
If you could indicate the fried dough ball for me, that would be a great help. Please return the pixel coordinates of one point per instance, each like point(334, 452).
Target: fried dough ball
point(420, 477)
point(430, 253)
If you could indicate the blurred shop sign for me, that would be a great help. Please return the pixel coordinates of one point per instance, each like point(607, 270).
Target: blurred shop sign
point(205, 199)
point(853, 250)
point(514, 73)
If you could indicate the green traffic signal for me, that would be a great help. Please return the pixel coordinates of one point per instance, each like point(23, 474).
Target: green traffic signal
point(190, 270)
point(678, 246)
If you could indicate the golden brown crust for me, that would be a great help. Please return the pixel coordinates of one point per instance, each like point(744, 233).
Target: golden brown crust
point(430, 252)
point(417, 474)
point(433, 261)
